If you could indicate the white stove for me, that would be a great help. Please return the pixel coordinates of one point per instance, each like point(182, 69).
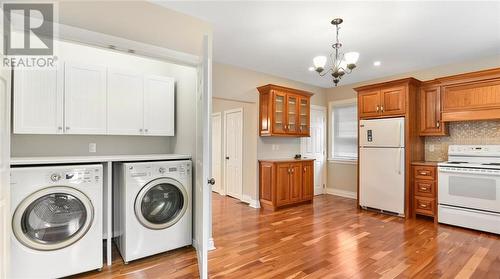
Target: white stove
point(469, 187)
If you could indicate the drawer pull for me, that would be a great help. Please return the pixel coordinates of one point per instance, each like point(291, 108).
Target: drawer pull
point(424, 188)
point(423, 205)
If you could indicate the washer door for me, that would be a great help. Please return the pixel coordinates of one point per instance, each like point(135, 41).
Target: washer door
point(161, 203)
point(52, 218)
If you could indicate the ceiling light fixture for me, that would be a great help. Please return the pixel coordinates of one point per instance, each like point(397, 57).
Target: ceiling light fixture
point(341, 64)
point(376, 63)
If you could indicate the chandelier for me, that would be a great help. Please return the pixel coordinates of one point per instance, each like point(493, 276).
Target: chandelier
point(341, 63)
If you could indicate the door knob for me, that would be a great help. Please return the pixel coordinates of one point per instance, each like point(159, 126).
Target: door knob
point(211, 181)
point(227, 157)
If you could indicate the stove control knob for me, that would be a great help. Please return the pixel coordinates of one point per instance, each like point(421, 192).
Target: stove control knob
point(55, 177)
point(161, 170)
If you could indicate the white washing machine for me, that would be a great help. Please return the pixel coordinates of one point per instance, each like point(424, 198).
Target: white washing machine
point(56, 216)
point(152, 207)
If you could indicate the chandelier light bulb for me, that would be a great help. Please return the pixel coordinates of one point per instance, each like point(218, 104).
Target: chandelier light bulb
point(351, 57)
point(319, 62)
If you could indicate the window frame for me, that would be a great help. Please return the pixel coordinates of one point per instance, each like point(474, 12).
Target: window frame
point(331, 106)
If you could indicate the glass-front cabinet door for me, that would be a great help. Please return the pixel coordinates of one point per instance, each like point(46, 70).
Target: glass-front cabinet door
point(304, 116)
point(279, 111)
point(292, 125)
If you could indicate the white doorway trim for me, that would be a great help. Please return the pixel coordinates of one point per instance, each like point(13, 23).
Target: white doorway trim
point(321, 158)
point(217, 153)
point(239, 189)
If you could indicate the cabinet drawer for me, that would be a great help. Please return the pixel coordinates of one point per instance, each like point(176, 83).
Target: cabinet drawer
point(424, 206)
point(425, 188)
point(424, 172)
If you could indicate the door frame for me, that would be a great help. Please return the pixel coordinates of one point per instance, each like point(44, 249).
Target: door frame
point(226, 112)
point(220, 181)
point(324, 110)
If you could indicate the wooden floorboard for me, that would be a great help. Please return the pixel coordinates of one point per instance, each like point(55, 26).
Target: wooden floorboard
point(330, 238)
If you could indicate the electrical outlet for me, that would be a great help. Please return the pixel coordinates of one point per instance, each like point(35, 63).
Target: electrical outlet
point(431, 147)
point(92, 147)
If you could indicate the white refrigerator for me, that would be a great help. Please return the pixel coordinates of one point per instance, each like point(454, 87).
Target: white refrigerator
point(382, 164)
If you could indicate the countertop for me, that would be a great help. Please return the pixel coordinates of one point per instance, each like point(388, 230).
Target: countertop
point(287, 160)
point(16, 161)
point(425, 163)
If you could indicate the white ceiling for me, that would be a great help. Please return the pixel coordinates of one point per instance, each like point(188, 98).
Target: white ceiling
point(281, 38)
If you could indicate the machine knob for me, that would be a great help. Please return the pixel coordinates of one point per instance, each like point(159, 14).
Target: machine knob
point(161, 170)
point(211, 181)
point(55, 177)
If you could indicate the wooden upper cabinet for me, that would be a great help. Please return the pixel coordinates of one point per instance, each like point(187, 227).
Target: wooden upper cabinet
point(430, 111)
point(284, 111)
point(393, 100)
point(385, 99)
point(369, 103)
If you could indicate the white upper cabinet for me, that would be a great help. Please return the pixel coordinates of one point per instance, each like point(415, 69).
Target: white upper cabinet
point(159, 105)
point(38, 101)
point(125, 103)
point(84, 99)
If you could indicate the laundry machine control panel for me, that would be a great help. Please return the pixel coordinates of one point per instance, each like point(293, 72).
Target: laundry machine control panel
point(79, 175)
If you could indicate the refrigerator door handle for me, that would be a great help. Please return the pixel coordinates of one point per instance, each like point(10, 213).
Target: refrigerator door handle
point(400, 156)
point(400, 137)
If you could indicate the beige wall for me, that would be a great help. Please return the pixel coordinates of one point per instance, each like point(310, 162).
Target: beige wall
point(236, 87)
point(140, 21)
point(344, 177)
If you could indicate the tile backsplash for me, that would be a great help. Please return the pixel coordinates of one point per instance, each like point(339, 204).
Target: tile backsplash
point(467, 132)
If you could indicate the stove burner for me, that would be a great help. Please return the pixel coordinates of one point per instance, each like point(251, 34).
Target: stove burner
point(491, 164)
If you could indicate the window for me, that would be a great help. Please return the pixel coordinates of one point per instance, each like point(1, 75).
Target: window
point(344, 130)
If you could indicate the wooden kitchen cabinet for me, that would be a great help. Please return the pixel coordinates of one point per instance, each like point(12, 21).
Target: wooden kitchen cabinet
point(425, 183)
point(284, 111)
point(283, 183)
point(385, 99)
point(430, 111)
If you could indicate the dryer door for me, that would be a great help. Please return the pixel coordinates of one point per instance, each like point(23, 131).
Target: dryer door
point(52, 218)
point(161, 203)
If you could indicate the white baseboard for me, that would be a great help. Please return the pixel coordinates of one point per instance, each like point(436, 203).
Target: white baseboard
point(251, 202)
point(195, 244)
point(341, 193)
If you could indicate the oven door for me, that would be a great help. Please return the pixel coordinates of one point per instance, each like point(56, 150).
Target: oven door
point(469, 188)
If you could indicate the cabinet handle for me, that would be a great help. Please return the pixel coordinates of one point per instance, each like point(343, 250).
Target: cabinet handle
point(146, 130)
point(140, 130)
point(382, 108)
point(304, 169)
point(423, 188)
point(293, 170)
point(59, 128)
point(67, 127)
point(438, 124)
point(423, 205)
point(378, 108)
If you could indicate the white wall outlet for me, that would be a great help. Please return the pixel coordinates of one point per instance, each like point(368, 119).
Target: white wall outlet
point(431, 147)
point(92, 147)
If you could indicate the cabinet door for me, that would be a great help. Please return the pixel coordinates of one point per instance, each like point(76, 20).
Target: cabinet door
point(279, 112)
point(304, 116)
point(292, 112)
point(369, 103)
point(307, 180)
point(125, 103)
point(282, 184)
point(38, 101)
point(159, 106)
point(295, 182)
point(84, 99)
point(393, 100)
point(430, 112)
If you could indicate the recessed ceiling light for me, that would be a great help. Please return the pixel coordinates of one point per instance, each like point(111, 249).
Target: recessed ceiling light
point(311, 69)
point(376, 63)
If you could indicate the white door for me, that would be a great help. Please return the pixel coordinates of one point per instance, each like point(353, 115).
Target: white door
point(159, 105)
point(38, 101)
point(84, 99)
point(4, 171)
point(233, 143)
point(125, 103)
point(217, 152)
point(203, 160)
point(381, 179)
point(315, 147)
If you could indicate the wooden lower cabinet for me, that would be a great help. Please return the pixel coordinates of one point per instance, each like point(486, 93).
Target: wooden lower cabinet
point(425, 182)
point(283, 183)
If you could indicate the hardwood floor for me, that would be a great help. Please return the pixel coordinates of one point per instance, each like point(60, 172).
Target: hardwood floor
point(329, 239)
